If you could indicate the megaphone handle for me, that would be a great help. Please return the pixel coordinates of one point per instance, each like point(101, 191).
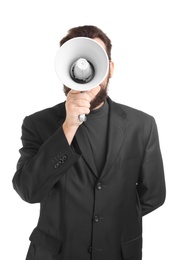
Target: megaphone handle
point(82, 118)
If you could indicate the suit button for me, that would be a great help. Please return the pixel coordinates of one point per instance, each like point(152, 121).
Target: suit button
point(65, 157)
point(99, 186)
point(90, 250)
point(96, 219)
point(56, 165)
point(61, 161)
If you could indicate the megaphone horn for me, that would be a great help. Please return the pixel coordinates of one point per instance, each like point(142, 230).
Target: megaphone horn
point(81, 63)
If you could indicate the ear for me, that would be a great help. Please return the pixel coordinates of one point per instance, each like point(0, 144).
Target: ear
point(111, 66)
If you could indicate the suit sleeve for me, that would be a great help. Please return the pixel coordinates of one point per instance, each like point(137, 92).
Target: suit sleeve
point(151, 184)
point(41, 165)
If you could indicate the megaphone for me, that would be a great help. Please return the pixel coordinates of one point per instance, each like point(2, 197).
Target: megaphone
point(87, 55)
point(81, 64)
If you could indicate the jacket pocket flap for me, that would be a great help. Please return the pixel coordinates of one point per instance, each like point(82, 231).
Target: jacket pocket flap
point(132, 247)
point(38, 237)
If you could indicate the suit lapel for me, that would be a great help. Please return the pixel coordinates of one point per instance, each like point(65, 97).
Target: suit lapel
point(117, 128)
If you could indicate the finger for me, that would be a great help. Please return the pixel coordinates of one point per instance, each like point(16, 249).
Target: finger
point(74, 91)
point(82, 103)
point(76, 95)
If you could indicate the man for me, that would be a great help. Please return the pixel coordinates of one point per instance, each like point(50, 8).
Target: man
point(94, 180)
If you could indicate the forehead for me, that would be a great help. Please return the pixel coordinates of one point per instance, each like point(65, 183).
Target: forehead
point(100, 42)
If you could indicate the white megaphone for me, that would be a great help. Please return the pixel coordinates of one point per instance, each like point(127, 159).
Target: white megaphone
point(81, 64)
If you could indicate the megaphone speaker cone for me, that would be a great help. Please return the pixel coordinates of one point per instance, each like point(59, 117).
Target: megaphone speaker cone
point(82, 71)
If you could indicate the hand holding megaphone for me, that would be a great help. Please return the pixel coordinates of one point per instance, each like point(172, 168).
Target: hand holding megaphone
point(77, 103)
point(81, 64)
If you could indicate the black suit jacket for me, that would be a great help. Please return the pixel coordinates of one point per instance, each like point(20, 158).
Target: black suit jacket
point(83, 216)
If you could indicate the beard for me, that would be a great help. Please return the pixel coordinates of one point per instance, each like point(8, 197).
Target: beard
point(100, 97)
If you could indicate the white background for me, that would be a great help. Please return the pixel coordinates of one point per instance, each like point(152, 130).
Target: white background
point(142, 38)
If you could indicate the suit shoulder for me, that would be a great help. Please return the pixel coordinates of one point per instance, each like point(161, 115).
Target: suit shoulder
point(44, 122)
point(134, 113)
point(138, 120)
point(48, 112)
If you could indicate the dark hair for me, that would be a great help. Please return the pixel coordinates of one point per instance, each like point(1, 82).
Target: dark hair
point(89, 31)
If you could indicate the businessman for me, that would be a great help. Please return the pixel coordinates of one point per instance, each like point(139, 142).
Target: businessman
point(94, 180)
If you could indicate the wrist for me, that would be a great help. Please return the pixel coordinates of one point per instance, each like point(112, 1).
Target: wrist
point(69, 131)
